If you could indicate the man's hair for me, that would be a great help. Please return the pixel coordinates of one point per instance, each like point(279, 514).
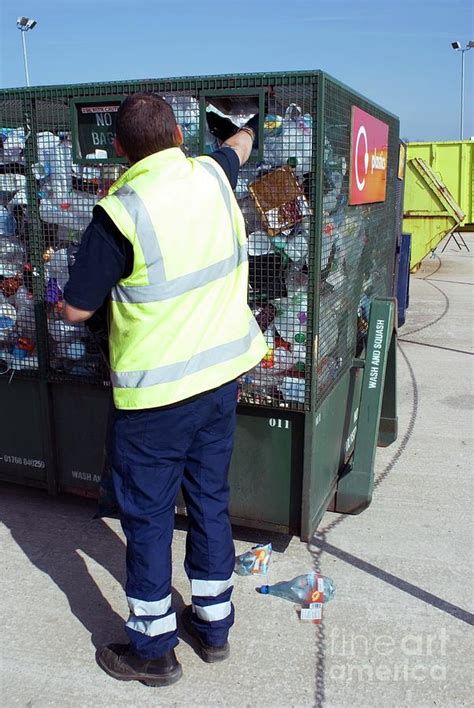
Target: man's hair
point(145, 124)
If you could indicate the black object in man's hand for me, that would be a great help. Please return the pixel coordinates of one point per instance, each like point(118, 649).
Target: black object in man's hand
point(221, 128)
point(253, 125)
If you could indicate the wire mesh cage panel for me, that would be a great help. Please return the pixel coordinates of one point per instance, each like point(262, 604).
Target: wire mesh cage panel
point(357, 241)
point(19, 250)
point(306, 246)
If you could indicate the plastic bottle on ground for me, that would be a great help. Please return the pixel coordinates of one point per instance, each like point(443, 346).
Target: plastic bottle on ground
point(304, 589)
point(255, 561)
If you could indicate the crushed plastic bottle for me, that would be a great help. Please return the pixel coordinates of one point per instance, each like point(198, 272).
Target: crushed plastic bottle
point(298, 352)
point(304, 589)
point(291, 141)
point(7, 223)
point(11, 257)
point(265, 315)
point(255, 561)
point(7, 320)
point(53, 293)
point(297, 247)
point(74, 350)
point(22, 362)
point(290, 323)
point(13, 145)
point(327, 371)
point(62, 331)
point(56, 269)
point(259, 244)
point(25, 308)
point(293, 389)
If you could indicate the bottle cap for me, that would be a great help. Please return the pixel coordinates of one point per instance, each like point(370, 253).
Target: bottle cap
point(263, 589)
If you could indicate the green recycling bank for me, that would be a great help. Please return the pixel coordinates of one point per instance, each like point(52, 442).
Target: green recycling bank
point(322, 202)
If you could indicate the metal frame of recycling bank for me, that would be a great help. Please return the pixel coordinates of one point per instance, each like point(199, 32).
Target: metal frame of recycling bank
point(289, 466)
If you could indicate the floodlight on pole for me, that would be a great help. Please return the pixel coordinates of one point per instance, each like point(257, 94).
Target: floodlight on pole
point(458, 48)
point(24, 24)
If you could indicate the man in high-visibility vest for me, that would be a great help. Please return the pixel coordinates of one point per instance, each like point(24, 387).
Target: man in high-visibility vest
point(167, 246)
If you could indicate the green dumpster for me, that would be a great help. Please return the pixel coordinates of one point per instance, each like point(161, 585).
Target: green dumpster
point(439, 189)
point(319, 199)
point(453, 162)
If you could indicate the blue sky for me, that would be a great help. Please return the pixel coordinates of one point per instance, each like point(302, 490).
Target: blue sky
point(396, 52)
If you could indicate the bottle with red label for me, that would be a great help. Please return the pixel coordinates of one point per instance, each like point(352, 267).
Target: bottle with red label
point(304, 589)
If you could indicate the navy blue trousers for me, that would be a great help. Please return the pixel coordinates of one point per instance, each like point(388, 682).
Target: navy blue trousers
point(153, 454)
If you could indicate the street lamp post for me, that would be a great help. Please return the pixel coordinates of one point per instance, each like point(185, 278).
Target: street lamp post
point(24, 24)
point(458, 48)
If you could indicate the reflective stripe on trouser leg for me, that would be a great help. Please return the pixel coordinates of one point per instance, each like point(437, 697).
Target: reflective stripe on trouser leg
point(210, 554)
point(213, 613)
point(152, 618)
point(213, 616)
point(152, 626)
point(149, 450)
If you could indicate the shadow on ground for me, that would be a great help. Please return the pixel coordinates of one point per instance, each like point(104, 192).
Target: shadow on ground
point(54, 533)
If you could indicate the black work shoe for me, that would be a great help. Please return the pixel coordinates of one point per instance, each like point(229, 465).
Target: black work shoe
point(121, 662)
point(208, 653)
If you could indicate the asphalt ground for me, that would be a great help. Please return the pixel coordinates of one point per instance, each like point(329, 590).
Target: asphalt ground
point(398, 632)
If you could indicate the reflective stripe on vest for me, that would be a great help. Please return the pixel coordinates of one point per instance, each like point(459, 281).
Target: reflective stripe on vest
point(160, 288)
point(198, 362)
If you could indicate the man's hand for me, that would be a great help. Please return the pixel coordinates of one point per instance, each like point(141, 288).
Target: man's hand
point(74, 315)
point(244, 140)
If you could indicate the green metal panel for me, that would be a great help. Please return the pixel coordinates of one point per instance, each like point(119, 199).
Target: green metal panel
point(266, 470)
point(388, 428)
point(23, 458)
point(368, 256)
point(354, 489)
point(430, 210)
point(80, 420)
point(278, 441)
point(453, 163)
point(265, 474)
point(329, 439)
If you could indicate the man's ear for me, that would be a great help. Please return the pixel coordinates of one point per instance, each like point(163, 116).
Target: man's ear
point(178, 136)
point(118, 148)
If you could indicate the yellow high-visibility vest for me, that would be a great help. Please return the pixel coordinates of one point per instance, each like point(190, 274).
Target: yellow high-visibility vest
point(179, 324)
